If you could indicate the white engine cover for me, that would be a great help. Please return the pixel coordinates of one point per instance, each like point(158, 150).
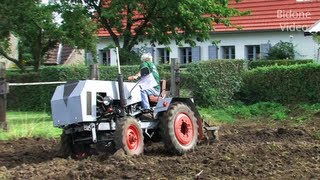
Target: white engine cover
point(76, 102)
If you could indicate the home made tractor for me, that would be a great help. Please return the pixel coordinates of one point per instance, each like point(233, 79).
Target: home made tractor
point(108, 113)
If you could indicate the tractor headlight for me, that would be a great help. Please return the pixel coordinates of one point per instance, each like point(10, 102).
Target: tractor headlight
point(107, 100)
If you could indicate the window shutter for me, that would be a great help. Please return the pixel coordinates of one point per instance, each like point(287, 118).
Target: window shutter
point(213, 52)
point(100, 60)
point(196, 53)
point(264, 49)
point(180, 55)
point(89, 57)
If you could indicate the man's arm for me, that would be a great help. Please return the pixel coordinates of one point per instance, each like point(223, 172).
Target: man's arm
point(134, 77)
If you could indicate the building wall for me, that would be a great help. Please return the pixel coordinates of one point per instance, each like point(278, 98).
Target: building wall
point(13, 52)
point(304, 45)
point(76, 57)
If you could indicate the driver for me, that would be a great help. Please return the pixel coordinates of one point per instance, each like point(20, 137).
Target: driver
point(146, 59)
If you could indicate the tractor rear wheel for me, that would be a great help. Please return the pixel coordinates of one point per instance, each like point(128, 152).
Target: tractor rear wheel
point(179, 129)
point(129, 136)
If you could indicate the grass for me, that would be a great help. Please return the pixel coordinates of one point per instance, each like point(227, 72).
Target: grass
point(29, 124)
point(39, 124)
point(263, 111)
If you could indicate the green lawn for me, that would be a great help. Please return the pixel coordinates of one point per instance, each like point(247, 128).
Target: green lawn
point(39, 124)
point(29, 124)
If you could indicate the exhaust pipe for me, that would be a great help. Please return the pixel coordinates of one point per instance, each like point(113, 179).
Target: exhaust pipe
point(123, 101)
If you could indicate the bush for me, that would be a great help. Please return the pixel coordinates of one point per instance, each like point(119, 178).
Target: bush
point(283, 84)
point(26, 97)
point(282, 50)
point(213, 83)
point(264, 63)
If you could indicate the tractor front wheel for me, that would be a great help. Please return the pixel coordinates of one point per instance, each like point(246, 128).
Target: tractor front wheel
point(129, 136)
point(68, 148)
point(179, 129)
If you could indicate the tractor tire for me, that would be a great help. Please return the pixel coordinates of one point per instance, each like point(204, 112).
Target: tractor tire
point(75, 151)
point(179, 129)
point(129, 137)
point(66, 148)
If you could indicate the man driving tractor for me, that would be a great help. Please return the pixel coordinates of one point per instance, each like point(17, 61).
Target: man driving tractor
point(147, 63)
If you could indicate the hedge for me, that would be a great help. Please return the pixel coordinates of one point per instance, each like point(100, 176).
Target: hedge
point(211, 83)
point(284, 84)
point(264, 63)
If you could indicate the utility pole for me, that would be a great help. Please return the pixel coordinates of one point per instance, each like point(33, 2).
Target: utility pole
point(4, 89)
point(175, 78)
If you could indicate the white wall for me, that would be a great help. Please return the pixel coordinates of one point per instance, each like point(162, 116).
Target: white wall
point(13, 52)
point(304, 45)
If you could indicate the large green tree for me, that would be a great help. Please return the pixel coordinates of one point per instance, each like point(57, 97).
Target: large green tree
point(38, 31)
point(186, 21)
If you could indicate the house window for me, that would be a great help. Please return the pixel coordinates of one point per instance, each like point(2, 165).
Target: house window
point(104, 57)
point(228, 52)
point(185, 55)
point(163, 55)
point(253, 52)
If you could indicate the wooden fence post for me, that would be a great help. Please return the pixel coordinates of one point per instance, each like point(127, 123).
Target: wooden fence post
point(3, 98)
point(175, 78)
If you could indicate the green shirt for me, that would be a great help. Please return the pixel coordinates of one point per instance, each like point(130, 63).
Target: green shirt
point(153, 70)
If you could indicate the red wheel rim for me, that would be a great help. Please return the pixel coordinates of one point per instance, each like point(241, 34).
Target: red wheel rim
point(183, 129)
point(132, 138)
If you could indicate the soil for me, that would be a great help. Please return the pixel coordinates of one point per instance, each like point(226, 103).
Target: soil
point(243, 151)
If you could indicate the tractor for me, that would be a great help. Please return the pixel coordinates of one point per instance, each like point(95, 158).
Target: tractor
point(109, 113)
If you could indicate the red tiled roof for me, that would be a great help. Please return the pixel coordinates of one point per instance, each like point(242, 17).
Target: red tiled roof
point(270, 15)
point(274, 14)
point(52, 55)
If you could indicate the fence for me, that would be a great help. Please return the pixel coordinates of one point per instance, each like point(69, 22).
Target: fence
point(3, 97)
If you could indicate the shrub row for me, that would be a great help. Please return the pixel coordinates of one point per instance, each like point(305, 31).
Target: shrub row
point(211, 83)
point(284, 84)
point(264, 63)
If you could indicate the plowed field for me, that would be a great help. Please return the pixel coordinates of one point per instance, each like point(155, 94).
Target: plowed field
point(246, 151)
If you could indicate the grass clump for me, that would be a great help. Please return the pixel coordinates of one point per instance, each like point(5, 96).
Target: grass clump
point(29, 124)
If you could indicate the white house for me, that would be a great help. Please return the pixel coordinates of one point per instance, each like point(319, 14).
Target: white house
point(269, 23)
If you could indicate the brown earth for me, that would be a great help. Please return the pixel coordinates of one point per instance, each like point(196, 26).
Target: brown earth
point(247, 151)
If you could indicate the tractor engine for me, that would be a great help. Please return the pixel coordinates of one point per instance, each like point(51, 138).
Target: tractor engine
point(105, 106)
point(89, 101)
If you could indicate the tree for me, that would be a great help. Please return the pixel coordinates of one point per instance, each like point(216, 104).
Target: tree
point(132, 21)
point(78, 28)
point(38, 32)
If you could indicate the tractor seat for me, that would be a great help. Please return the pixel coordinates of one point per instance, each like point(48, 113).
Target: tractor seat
point(153, 100)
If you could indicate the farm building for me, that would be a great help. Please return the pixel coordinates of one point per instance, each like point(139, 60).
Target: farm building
point(270, 22)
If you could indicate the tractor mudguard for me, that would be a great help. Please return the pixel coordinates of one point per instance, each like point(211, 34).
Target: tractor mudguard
point(163, 105)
